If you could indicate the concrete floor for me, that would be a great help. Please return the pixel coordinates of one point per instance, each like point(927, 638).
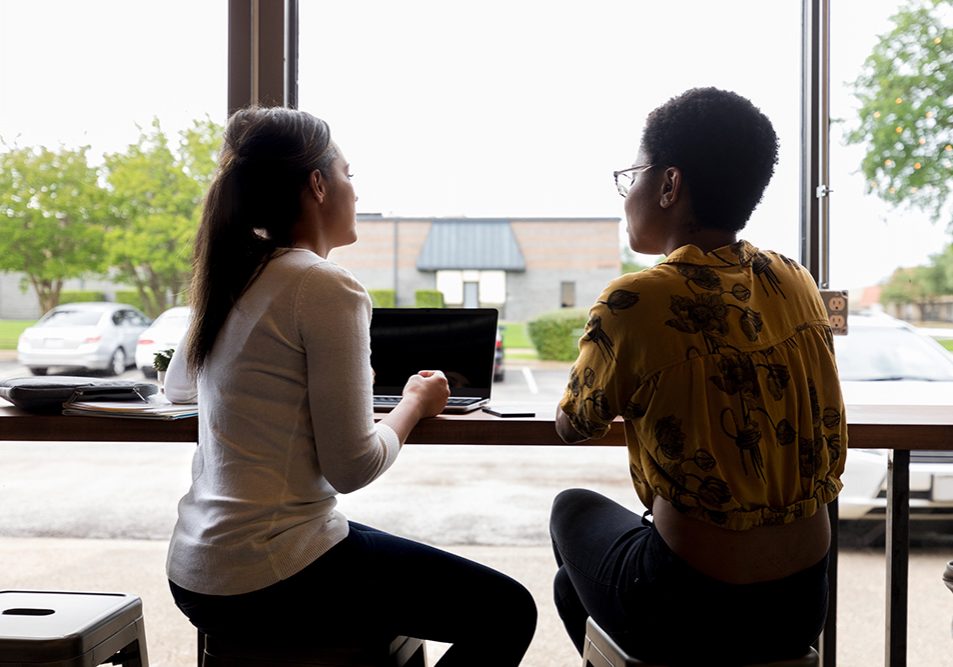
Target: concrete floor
point(136, 566)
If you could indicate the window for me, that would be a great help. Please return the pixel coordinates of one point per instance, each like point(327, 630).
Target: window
point(567, 294)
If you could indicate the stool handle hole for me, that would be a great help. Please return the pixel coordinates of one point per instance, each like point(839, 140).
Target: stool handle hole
point(27, 611)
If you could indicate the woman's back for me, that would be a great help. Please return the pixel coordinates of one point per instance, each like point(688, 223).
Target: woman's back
point(285, 420)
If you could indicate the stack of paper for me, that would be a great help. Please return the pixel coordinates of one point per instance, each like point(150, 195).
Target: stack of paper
point(157, 407)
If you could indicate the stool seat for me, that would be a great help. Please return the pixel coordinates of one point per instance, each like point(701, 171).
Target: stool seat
point(71, 629)
point(600, 650)
point(218, 651)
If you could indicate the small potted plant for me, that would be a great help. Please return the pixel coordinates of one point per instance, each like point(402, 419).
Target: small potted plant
point(160, 361)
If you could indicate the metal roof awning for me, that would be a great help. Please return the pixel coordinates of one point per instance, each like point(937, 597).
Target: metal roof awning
point(471, 244)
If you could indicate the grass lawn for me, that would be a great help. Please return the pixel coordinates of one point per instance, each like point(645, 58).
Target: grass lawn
point(10, 331)
point(516, 337)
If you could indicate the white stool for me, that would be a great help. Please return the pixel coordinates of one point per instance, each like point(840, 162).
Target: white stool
point(600, 650)
point(69, 629)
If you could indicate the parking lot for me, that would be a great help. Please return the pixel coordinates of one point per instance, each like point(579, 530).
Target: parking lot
point(97, 516)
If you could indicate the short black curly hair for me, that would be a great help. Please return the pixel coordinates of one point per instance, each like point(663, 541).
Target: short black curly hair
point(725, 147)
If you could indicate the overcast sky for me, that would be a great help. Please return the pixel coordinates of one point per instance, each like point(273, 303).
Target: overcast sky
point(492, 108)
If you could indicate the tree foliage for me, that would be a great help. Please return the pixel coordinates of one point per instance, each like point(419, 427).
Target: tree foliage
point(906, 116)
point(921, 283)
point(52, 214)
point(156, 195)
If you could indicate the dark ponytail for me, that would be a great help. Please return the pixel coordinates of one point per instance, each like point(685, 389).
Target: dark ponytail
point(250, 209)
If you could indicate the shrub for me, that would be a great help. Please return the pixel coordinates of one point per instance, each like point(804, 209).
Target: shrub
point(555, 335)
point(383, 298)
point(428, 298)
point(76, 295)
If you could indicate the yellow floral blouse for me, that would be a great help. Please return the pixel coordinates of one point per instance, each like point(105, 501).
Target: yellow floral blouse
point(722, 366)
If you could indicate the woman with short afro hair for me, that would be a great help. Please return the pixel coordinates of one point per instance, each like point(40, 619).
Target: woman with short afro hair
point(720, 361)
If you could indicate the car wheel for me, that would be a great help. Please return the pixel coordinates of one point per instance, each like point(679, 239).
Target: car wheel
point(499, 377)
point(117, 364)
point(39, 371)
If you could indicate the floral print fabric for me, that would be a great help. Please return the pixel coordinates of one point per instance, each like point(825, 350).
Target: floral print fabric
point(722, 368)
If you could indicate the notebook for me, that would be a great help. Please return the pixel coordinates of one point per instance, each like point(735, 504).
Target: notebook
point(460, 342)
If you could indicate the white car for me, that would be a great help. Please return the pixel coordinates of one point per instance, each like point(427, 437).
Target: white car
point(164, 334)
point(885, 361)
point(90, 336)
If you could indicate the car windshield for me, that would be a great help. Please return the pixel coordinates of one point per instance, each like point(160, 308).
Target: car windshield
point(887, 353)
point(71, 318)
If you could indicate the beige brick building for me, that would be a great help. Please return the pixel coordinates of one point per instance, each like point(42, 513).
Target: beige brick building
point(523, 266)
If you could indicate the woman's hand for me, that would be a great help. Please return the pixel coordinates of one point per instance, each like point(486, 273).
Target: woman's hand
point(424, 395)
point(429, 391)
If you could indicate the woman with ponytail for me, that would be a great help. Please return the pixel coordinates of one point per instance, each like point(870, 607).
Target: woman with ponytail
point(278, 356)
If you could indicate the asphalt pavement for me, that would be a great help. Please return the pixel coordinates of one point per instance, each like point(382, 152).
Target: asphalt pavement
point(97, 516)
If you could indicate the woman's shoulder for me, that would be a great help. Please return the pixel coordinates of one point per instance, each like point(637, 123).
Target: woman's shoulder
point(313, 269)
point(322, 281)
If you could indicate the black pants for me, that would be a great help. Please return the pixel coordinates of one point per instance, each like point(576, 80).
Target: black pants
point(614, 566)
point(373, 586)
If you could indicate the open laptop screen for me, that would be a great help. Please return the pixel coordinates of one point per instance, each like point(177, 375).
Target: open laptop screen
point(458, 341)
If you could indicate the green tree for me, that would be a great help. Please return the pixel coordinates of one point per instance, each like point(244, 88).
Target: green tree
point(907, 285)
point(156, 195)
point(51, 214)
point(629, 263)
point(905, 117)
point(943, 268)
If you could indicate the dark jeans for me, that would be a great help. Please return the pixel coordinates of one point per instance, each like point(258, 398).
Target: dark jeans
point(373, 586)
point(614, 566)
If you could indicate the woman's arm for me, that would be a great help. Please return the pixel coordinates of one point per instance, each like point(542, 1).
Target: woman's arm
point(179, 387)
point(424, 395)
point(565, 430)
point(333, 314)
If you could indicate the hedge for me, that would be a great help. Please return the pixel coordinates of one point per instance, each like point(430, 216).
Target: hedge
point(383, 298)
point(76, 295)
point(555, 335)
point(428, 298)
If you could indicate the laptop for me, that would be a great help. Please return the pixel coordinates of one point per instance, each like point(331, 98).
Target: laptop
point(461, 342)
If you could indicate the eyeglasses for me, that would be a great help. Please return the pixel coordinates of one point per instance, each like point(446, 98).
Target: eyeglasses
point(624, 177)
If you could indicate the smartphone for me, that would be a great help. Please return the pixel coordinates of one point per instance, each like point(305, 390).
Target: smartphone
point(498, 411)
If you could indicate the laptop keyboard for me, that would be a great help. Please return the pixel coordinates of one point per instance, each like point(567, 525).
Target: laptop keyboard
point(453, 400)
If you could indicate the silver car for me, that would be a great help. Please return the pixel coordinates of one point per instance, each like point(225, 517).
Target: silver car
point(164, 334)
point(884, 361)
point(91, 336)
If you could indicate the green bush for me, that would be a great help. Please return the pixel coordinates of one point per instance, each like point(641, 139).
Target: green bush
point(383, 298)
point(428, 298)
point(76, 295)
point(556, 335)
point(131, 298)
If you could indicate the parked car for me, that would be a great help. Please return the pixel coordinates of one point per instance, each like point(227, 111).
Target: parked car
point(499, 373)
point(89, 336)
point(885, 361)
point(164, 334)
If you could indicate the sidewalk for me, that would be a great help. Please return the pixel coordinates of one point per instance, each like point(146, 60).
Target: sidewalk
point(137, 567)
point(134, 566)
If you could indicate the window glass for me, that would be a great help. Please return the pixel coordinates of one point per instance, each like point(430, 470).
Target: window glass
point(871, 238)
point(522, 110)
point(81, 73)
point(525, 109)
point(99, 75)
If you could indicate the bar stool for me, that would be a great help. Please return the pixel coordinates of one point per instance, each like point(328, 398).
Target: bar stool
point(71, 629)
point(217, 651)
point(600, 650)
